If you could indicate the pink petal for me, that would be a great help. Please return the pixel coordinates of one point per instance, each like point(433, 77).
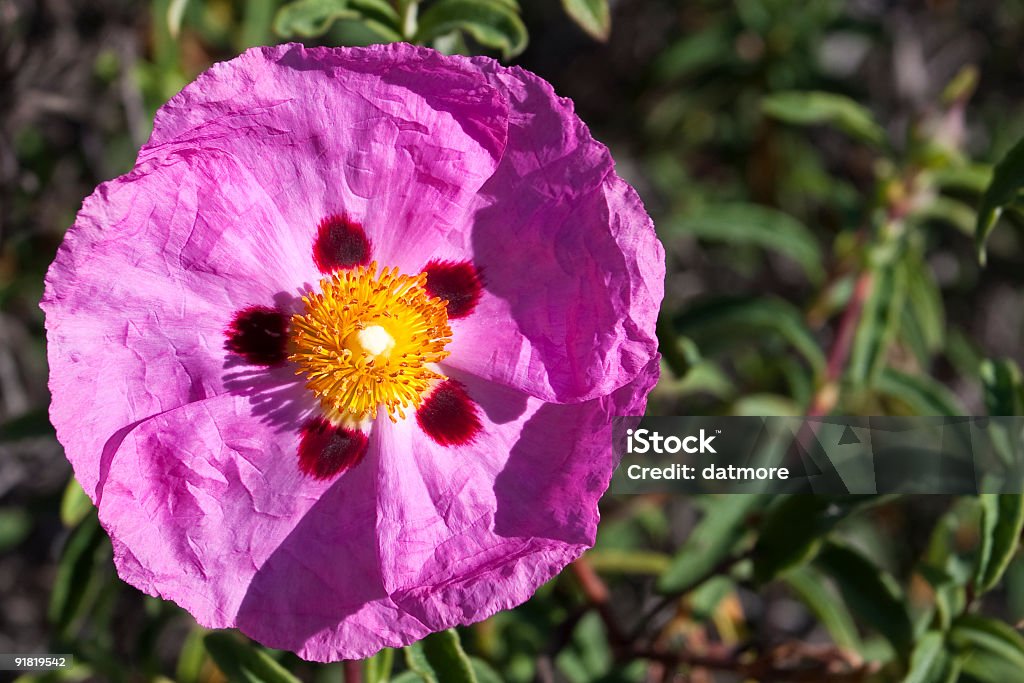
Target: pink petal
point(460, 532)
point(397, 137)
point(573, 270)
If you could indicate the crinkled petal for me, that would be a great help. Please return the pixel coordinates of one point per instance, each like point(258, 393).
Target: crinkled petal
point(573, 271)
point(397, 137)
point(456, 533)
point(222, 210)
point(142, 290)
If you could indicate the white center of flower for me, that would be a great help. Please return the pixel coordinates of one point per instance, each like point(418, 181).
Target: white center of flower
point(374, 340)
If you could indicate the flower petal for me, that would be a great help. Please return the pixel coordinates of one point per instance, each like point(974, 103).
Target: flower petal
point(573, 270)
point(223, 208)
point(143, 289)
point(396, 137)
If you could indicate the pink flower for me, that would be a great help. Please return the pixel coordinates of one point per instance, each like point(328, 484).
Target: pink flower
point(337, 360)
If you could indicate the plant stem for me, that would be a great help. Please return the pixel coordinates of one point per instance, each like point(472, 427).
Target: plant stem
point(827, 396)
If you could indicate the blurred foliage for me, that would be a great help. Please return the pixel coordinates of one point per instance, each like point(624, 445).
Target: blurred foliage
point(839, 188)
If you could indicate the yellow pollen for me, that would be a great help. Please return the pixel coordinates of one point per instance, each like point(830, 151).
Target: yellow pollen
point(366, 340)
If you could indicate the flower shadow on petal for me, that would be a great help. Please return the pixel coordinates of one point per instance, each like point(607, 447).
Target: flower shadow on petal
point(324, 572)
point(546, 489)
point(278, 396)
point(556, 263)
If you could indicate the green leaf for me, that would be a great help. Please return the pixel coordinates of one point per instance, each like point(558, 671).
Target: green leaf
point(921, 393)
point(924, 308)
point(761, 226)
point(1002, 520)
point(869, 592)
point(377, 669)
point(1004, 389)
point(926, 661)
point(15, 525)
point(484, 672)
point(791, 534)
point(439, 658)
point(810, 587)
point(814, 108)
point(175, 14)
point(409, 677)
point(590, 15)
point(76, 572)
point(491, 23)
point(191, 658)
point(970, 178)
point(244, 662)
point(1007, 181)
point(311, 18)
point(878, 324)
point(724, 322)
point(614, 561)
point(710, 543)
point(74, 504)
point(971, 633)
point(761, 404)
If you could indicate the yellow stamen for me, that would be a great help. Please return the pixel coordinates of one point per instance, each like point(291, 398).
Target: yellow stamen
point(366, 339)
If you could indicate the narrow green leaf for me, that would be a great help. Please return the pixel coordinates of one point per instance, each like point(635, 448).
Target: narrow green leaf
point(724, 322)
point(191, 658)
point(704, 600)
point(491, 23)
point(1002, 520)
point(810, 587)
point(921, 393)
point(710, 543)
point(791, 534)
point(815, 108)
point(15, 525)
point(257, 23)
point(590, 15)
point(484, 672)
point(74, 504)
point(869, 592)
point(926, 665)
point(1007, 181)
point(1004, 389)
point(878, 324)
point(614, 561)
point(971, 178)
point(761, 226)
point(439, 658)
point(409, 677)
point(244, 662)
point(175, 14)
point(972, 632)
point(76, 572)
point(377, 669)
point(765, 404)
point(924, 303)
point(311, 18)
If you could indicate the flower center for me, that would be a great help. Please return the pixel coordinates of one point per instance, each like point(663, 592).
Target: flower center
point(367, 340)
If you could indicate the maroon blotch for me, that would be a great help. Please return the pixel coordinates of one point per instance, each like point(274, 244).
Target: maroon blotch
point(327, 450)
point(457, 281)
point(259, 334)
point(340, 243)
point(449, 415)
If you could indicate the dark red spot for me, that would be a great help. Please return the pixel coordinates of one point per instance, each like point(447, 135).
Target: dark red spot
point(448, 416)
point(259, 334)
point(458, 282)
point(326, 450)
point(340, 243)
